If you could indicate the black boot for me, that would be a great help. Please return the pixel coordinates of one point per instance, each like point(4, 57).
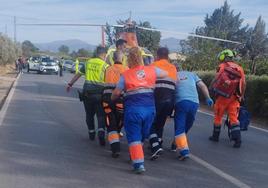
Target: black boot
point(115, 148)
point(235, 136)
point(216, 134)
point(91, 134)
point(101, 135)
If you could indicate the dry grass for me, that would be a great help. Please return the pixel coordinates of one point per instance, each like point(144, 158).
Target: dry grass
point(7, 70)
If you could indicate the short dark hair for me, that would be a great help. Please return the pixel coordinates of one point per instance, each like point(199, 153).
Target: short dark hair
point(162, 53)
point(100, 50)
point(120, 42)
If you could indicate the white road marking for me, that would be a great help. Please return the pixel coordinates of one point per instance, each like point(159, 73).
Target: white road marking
point(254, 127)
point(219, 172)
point(8, 99)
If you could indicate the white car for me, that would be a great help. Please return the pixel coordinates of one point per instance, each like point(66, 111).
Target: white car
point(33, 64)
point(67, 65)
point(48, 65)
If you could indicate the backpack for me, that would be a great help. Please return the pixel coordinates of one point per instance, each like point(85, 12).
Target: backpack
point(228, 81)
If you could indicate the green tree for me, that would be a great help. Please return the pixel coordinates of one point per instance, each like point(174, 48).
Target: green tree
point(83, 53)
point(148, 39)
point(257, 44)
point(64, 49)
point(28, 48)
point(223, 23)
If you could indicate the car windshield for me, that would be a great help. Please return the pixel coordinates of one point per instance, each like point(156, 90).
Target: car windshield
point(46, 59)
point(69, 62)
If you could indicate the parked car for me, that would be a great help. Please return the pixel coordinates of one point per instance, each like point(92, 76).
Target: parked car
point(48, 65)
point(67, 65)
point(33, 64)
point(79, 66)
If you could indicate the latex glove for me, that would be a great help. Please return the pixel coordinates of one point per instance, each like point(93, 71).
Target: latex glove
point(209, 102)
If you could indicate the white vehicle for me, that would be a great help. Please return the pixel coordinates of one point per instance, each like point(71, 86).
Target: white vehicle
point(67, 65)
point(48, 65)
point(33, 64)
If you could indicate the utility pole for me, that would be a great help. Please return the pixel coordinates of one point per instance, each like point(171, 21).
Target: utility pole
point(15, 29)
point(6, 29)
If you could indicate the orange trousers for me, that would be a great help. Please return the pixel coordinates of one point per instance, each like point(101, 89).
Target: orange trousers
point(230, 105)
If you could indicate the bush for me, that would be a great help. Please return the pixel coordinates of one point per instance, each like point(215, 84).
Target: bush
point(256, 92)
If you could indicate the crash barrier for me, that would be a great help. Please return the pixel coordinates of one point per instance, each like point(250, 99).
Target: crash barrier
point(256, 93)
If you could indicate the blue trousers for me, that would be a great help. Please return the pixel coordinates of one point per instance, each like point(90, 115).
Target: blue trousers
point(137, 123)
point(185, 112)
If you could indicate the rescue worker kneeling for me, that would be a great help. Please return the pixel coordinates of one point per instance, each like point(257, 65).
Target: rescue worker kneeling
point(113, 109)
point(229, 86)
point(139, 107)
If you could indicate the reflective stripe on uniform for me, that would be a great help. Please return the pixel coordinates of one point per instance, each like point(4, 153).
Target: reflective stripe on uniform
point(144, 90)
point(163, 85)
point(107, 91)
point(136, 152)
point(153, 136)
point(113, 137)
point(181, 141)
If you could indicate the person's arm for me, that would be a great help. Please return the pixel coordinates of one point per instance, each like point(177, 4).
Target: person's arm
point(116, 94)
point(160, 73)
point(71, 83)
point(202, 86)
point(119, 88)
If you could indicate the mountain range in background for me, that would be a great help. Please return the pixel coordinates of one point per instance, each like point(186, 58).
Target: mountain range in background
point(172, 43)
point(74, 44)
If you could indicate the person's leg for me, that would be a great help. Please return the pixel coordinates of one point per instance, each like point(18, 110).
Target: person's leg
point(133, 125)
point(165, 110)
point(219, 109)
point(180, 123)
point(155, 136)
point(191, 116)
point(101, 118)
point(235, 133)
point(90, 111)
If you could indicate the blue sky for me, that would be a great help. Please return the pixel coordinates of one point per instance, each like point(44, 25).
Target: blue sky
point(176, 15)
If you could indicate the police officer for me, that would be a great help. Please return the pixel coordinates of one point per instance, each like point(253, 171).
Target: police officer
point(229, 93)
point(94, 71)
point(61, 67)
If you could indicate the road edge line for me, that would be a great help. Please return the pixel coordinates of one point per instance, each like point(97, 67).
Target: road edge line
point(251, 126)
point(219, 172)
point(7, 100)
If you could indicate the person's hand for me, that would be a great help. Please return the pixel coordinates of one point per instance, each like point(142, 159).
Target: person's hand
point(209, 102)
point(68, 88)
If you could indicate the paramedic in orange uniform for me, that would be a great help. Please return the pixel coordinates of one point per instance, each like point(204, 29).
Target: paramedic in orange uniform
point(228, 100)
point(113, 110)
point(139, 106)
point(164, 94)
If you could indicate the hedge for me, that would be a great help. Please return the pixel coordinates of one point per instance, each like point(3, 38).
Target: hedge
point(256, 95)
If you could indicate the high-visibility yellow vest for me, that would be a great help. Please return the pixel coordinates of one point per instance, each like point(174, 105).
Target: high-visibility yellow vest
point(95, 71)
point(110, 55)
point(76, 66)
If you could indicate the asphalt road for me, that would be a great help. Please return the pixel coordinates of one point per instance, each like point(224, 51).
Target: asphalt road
point(44, 143)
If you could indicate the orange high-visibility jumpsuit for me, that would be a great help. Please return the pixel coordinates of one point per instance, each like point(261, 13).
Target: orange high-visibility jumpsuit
point(113, 111)
point(230, 105)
